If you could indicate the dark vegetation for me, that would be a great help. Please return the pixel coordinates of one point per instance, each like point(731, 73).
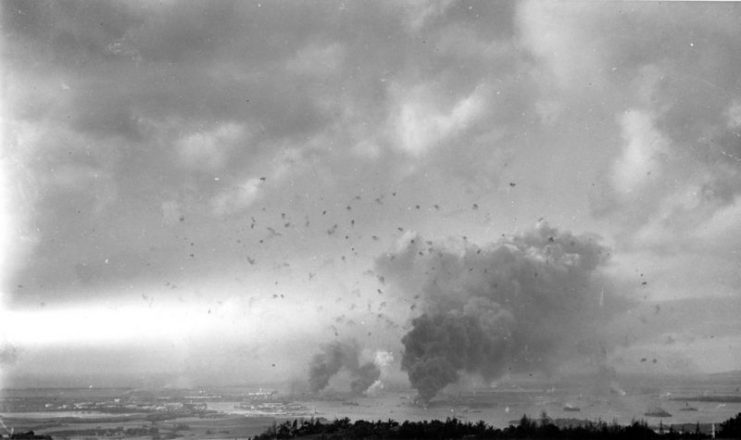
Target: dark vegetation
point(29, 436)
point(453, 428)
point(731, 428)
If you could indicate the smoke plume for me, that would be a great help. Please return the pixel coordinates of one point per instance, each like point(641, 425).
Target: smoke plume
point(519, 304)
point(334, 358)
point(8, 355)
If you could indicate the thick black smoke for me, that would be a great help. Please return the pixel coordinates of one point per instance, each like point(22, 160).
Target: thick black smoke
point(440, 345)
point(520, 304)
point(334, 358)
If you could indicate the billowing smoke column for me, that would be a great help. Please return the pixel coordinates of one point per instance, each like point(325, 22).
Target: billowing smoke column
point(440, 345)
point(337, 356)
point(518, 304)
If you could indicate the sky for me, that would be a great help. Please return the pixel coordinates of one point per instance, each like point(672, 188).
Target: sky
point(207, 192)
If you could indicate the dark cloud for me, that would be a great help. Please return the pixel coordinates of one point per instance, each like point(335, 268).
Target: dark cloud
point(123, 109)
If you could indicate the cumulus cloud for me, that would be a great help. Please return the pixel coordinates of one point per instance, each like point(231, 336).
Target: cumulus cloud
point(237, 198)
point(674, 105)
point(209, 150)
point(551, 33)
point(421, 123)
point(640, 159)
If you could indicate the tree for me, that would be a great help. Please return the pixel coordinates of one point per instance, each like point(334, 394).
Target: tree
point(731, 428)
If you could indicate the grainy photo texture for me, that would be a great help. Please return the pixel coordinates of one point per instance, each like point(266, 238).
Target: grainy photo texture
point(278, 219)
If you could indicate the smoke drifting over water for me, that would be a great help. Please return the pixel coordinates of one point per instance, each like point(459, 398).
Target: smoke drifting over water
point(519, 304)
point(334, 358)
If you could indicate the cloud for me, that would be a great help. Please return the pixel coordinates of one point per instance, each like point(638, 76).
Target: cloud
point(668, 164)
point(171, 212)
point(550, 32)
point(17, 238)
point(421, 123)
point(720, 230)
point(734, 116)
point(418, 13)
point(140, 134)
point(317, 60)
point(466, 45)
point(209, 150)
point(640, 160)
point(237, 198)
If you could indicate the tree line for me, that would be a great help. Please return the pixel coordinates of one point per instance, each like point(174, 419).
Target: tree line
point(453, 428)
